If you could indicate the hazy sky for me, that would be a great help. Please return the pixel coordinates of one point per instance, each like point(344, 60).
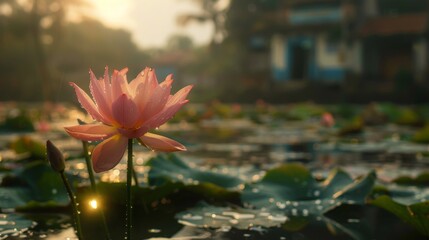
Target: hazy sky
point(151, 22)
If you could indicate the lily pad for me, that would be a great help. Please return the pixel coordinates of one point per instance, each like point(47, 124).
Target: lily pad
point(204, 215)
point(45, 184)
point(421, 180)
point(14, 225)
point(12, 197)
point(261, 220)
point(356, 126)
point(406, 195)
point(415, 215)
point(36, 184)
point(20, 122)
point(304, 111)
point(28, 145)
point(422, 135)
point(165, 168)
point(292, 189)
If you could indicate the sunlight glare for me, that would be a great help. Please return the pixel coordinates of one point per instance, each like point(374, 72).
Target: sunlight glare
point(93, 204)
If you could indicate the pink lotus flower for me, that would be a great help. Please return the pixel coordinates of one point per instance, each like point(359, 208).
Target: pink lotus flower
point(126, 111)
point(327, 120)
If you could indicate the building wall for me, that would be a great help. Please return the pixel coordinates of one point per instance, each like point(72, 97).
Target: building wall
point(278, 57)
point(420, 49)
point(370, 8)
point(324, 60)
point(315, 15)
point(329, 62)
point(282, 53)
point(353, 57)
point(327, 53)
point(375, 57)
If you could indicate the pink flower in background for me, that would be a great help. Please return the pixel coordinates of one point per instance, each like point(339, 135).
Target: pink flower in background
point(125, 111)
point(43, 126)
point(327, 120)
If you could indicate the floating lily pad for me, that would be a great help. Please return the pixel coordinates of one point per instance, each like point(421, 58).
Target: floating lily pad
point(408, 117)
point(406, 195)
point(415, 214)
point(169, 167)
point(38, 185)
point(422, 135)
point(261, 220)
point(421, 180)
point(204, 215)
point(292, 189)
point(12, 197)
point(304, 111)
point(28, 145)
point(14, 225)
point(45, 184)
point(20, 122)
point(353, 127)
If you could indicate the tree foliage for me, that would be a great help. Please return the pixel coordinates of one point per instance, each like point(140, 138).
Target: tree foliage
point(42, 50)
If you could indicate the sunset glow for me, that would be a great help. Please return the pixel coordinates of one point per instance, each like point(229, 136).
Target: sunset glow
point(150, 22)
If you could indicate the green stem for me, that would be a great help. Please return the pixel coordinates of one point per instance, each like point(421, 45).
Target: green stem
point(74, 206)
point(94, 187)
point(130, 170)
point(136, 180)
point(89, 166)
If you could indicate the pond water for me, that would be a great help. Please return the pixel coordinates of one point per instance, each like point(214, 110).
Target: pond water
point(238, 153)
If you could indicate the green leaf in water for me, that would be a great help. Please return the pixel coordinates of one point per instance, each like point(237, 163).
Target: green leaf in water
point(12, 197)
point(45, 184)
point(169, 167)
point(292, 189)
point(18, 123)
point(422, 135)
point(36, 184)
point(14, 225)
point(204, 215)
point(26, 144)
point(406, 195)
point(421, 180)
point(416, 215)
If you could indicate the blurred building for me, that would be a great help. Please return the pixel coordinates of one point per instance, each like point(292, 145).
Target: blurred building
point(333, 40)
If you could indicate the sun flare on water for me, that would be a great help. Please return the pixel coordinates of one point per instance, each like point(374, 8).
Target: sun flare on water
point(93, 204)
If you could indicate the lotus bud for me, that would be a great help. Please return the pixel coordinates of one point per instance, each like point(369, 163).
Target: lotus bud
point(55, 157)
